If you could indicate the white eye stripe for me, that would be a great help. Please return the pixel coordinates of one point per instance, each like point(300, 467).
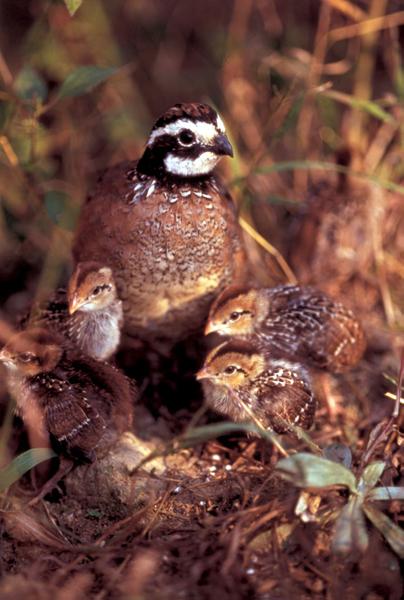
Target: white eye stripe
point(220, 125)
point(204, 132)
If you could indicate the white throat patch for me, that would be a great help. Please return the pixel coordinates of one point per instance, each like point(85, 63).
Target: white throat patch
point(204, 132)
point(190, 167)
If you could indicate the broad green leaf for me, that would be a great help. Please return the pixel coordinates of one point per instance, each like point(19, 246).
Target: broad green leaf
point(84, 79)
point(23, 463)
point(306, 165)
point(310, 471)
point(73, 5)
point(371, 476)
point(385, 493)
point(350, 529)
point(392, 533)
point(29, 85)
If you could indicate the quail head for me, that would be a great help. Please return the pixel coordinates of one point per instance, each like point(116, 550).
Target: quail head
point(276, 391)
point(291, 321)
point(166, 226)
point(89, 314)
point(83, 404)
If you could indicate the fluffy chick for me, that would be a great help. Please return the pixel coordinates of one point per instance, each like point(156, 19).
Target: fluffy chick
point(81, 403)
point(291, 321)
point(89, 314)
point(277, 392)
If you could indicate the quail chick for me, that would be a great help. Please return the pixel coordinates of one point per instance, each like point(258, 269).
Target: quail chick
point(167, 226)
point(89, 314)
point(330, 241)
point(291, 321)
point(276, 391)
point(81, 403)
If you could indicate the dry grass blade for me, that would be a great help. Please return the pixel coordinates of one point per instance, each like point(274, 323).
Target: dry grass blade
point(291, 278)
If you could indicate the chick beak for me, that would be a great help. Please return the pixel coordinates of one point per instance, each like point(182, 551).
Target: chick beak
point(222, 146)
point(209, 328)
point(74, 305)
point(203, 374)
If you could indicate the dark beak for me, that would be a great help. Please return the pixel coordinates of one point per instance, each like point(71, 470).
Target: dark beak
point(223, 146)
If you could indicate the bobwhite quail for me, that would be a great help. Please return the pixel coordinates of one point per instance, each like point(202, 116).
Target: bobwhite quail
point(166, 226)
point(81, 403)
point(276, 391)
point(89, 313)
point(291, 321)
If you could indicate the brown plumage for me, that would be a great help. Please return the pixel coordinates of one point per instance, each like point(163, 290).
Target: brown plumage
point(276, 391)
point(291, 321)
point(89, 313)
point(81, 403)
point(166, 226)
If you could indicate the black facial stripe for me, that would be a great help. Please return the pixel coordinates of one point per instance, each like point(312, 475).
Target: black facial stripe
point(239, 312)
point(152, 161)
point(104, 286)
point(169, 144)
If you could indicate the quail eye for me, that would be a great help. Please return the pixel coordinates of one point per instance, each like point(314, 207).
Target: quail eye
point(186, 137)
point(234, 316)
point(100, 288)
point(230, 370)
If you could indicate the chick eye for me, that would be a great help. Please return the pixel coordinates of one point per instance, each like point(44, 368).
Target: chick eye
point(27, 357)
point(230, 370)
point(234, 316)
point(100, 288)
point(186, 137)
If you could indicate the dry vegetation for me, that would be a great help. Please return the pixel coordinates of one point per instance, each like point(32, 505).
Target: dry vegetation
point(312, 94)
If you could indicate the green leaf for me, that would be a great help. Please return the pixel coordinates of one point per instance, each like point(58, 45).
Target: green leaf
point(339, 453)
point(73, 5)
point(58, 207)
point(393, 534)
point(310, 471)
point(386, 493)
point(197, 435)
point(23, 463)
point(84, 79)
point(29, 85)
point(371, 476)
point(350, 529)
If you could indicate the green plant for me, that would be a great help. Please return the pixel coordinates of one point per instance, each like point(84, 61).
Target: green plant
point(311, 472)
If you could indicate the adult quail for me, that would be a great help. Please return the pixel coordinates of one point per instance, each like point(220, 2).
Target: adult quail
point(167, 226)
